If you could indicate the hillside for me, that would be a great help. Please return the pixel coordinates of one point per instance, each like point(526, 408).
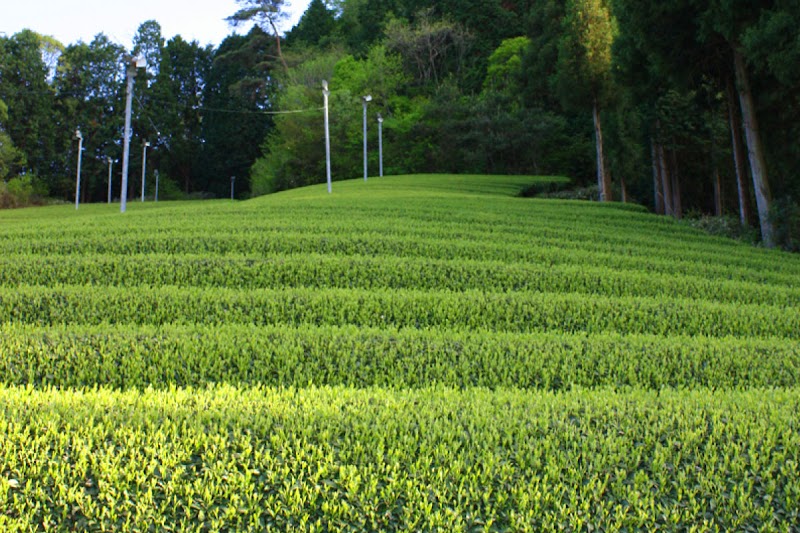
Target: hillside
point(411, 353)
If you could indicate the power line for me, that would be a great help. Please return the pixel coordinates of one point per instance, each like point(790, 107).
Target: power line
point(203, 109)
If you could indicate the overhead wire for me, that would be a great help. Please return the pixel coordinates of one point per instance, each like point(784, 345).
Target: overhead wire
point(204, 109)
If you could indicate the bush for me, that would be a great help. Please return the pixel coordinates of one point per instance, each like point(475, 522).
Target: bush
point(724, 226)
point(591, 193)
point(785, 218)
point(168, 189)
point(546, 188)
point(20, 191)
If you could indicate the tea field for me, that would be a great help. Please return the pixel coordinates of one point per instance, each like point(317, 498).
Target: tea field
point(414, 353)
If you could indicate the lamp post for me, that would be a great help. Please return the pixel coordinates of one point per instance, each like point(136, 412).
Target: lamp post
point(78, 136)
point(144, 165)
point(233, 180)
point(380, 144)
point(133, 64)
point(365, 100)
point(325, 94)
point(156, 196)
point(110, 169)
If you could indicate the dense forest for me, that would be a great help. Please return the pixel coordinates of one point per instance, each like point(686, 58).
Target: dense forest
point(687, 106)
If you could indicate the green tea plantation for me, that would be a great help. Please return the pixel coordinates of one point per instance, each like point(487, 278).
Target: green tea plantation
point(414, 353)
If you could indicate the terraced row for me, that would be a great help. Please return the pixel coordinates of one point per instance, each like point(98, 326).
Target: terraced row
point(366, 272)
point(326, 459)
point(125, 356)
point(496, 312)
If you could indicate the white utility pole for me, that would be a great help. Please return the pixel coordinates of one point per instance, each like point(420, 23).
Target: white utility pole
point(365, 100)
point(78, 179)
point(156, 172)
point(110, 170)
point(144, 165)
point(325, 94)
point(133, 64)
point(380, 144)
point(233, 180)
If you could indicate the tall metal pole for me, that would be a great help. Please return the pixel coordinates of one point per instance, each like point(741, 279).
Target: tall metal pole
point(110, 171)
point(144, 165)
point(126, 141)
point(325, 94)
point(233, 180)
point(78, 179)
point(365, 100)
point(380, 144)
point(156, 172)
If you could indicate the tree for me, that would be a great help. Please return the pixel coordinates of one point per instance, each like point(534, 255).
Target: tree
point(90, 87)
point(294, 154)
point(30, 100)
point(504, 72)
point(10, 157)
point(237, 97)
point(315, 28)
point(583, 73)
point(265, 13)
point(177, 94)
point(148, 43)
point(430, 48)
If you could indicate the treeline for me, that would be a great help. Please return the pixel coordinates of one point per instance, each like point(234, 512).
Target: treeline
point(200, 108)
point(688, 106)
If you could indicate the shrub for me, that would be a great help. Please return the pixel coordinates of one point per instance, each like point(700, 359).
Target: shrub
point(785, 218)
point(723, 226)
point(20, 191)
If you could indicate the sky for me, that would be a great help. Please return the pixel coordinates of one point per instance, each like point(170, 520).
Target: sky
point(72, 20)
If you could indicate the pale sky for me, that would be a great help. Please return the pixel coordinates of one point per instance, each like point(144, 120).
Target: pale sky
point(72, 20)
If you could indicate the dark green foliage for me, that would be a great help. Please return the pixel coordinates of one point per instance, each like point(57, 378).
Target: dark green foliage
point(238, 89)
point(786, 217)
point(179, 88)
point(90, 96)
point(30, 104)
point(316, 27)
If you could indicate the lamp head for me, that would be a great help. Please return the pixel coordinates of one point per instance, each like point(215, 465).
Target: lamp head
point(367, 98)
point(139, 62)
point(78, 134)
point(146, 144)
point(380, 118)
point(324, 85)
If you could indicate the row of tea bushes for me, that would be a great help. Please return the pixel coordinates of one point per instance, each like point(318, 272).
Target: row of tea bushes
point(125, 356)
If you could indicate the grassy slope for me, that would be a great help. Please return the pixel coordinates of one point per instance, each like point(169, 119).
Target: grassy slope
point(445, 313)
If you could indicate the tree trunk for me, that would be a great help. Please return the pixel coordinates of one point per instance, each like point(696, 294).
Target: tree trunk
point(278, 44)
point(738, 156)
point(658, 187)
point(624, 189)
point(666, 179)
point(755, 150)
point(603, 178)
point(677, 207)
point(715, 178)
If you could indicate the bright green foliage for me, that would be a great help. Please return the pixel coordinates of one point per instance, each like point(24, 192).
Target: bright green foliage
point(584, 62)
point(505, 65)
point(295, 152)
point(129, 356)
point(322, 459)
point(423, 352)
